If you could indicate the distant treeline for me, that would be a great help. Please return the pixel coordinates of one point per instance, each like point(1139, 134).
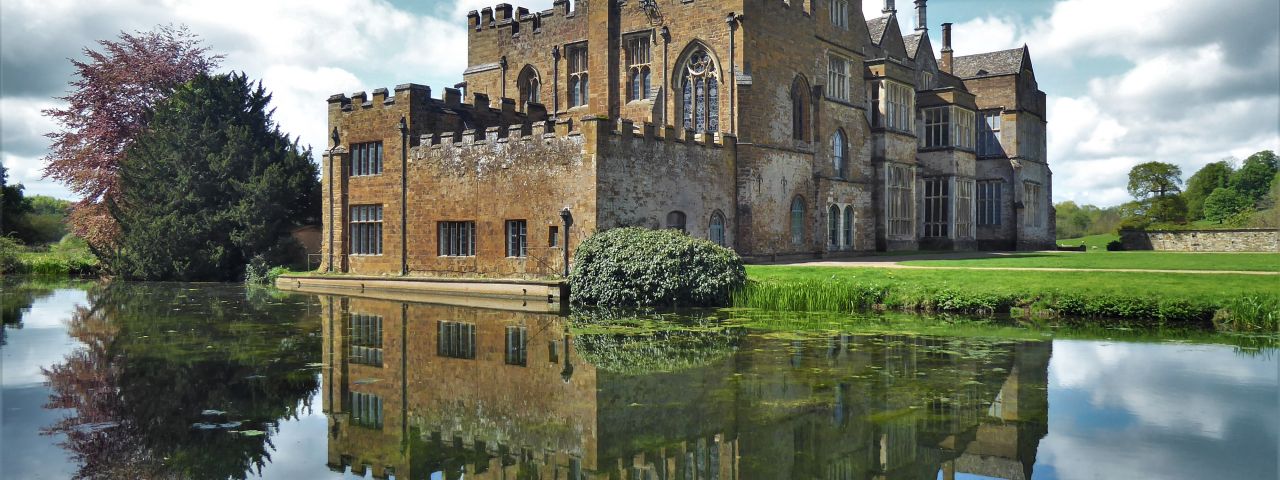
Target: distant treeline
point(1222, 194)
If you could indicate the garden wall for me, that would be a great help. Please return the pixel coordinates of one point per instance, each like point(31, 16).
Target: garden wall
point(1240, 240)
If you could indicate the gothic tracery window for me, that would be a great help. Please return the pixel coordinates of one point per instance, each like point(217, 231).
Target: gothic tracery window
point(700, 92)
point(577, 55)
point(529, 86)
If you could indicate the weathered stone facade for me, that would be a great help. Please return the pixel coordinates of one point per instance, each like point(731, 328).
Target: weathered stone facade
point(781, 129)
point(1241, 240)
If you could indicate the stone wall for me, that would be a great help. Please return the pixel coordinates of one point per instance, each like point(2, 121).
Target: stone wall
point(644, 177)
point(1242, 240)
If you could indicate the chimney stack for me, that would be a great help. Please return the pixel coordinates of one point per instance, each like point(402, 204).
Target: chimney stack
point(946, 48)
point(889, 9)
point(921, 23)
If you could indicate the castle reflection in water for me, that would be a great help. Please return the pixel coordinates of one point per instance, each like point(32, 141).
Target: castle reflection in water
point(419, 391)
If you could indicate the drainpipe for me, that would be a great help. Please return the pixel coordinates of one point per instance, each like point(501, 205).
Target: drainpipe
point(404, 197)
point(666, 86)
point(568, 221)
point(336, 139)
point(732, 20)
point(503, 62)
point(555, 81)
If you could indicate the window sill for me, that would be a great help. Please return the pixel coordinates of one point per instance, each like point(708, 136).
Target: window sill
point(364, 255)
point(365, 176)
point(456, 256)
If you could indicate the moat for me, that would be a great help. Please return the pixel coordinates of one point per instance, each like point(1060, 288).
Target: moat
point(136, 380)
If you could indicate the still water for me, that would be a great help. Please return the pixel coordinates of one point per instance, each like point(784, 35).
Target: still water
point(129, 380)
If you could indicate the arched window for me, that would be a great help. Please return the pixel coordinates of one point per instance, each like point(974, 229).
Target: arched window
point(700, 92)
point(715, 232)
point(848, 226)
point(833, 227)
point(529, 86)
point(675, 220)
point(838, 155)
point(800, 109)
point(639, 57)
point(797, 221)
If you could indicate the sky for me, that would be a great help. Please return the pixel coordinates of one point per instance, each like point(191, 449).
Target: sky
point(1181, 81)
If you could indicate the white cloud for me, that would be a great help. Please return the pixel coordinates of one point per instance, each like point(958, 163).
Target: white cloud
point(1154, 411)
point(1187, 82)
point(1184, 94)
point(302, 50)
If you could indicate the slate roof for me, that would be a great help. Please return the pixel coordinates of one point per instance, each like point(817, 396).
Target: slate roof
point(876, 28)
point(1003, 62)
point(913, 43)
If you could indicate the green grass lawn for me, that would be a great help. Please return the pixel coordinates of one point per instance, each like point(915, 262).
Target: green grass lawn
point(1186, 286)
point(1258, 262)
point(1095, 243)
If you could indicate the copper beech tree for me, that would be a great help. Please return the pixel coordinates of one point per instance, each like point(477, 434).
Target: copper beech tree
point(107, 108)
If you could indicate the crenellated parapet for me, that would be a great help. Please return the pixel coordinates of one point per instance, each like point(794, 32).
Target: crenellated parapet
point(430, 119)
point(505, 19)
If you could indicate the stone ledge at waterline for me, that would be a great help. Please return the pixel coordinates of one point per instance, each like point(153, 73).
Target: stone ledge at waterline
point(539, 295)
point(1235, 240)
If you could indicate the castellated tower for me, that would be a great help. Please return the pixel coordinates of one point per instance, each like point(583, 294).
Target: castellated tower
point(779, 129)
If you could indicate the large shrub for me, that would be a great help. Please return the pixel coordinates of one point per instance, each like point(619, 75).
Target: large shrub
point(635, 267)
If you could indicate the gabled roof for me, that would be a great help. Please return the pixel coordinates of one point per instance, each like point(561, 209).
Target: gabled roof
point(876, 28)
point(1003, 62)
point(913, 43)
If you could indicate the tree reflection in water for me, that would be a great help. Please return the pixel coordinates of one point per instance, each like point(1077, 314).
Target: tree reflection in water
point(155, 358)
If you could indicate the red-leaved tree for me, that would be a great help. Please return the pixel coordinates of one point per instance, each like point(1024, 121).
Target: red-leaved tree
point(107, 108)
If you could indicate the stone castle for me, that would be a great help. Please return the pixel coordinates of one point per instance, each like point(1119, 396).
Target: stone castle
point(781, 129)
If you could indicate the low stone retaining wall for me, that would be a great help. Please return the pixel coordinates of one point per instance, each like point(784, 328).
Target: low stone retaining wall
point(1238, 240)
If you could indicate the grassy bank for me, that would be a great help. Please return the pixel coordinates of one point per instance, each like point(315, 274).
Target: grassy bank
point(1147, 260)
point(69, 257)
point(1231, 302)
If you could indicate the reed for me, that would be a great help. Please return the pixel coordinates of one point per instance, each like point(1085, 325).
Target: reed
point(1248, 312)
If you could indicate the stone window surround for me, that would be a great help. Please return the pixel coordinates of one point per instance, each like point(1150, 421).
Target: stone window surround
point(365, 230)
point(839, 10)
point(715, 229)
point(638, 66)
point(838, 80)
point(989, 202)
point(576, 67)
point(841, 226)
point(517, 238)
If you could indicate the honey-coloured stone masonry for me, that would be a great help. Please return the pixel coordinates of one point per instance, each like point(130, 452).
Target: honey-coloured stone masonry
point(780, 129)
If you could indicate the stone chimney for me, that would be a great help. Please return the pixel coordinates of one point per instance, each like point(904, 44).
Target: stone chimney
point(889, 8)
point(946, 48)
point(921, 23)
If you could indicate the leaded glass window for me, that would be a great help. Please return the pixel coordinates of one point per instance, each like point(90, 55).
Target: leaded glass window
point(700, 93)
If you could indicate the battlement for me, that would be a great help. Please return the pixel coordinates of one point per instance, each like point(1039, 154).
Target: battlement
point(521, 19)
point(597, 126)
point(444, 116)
